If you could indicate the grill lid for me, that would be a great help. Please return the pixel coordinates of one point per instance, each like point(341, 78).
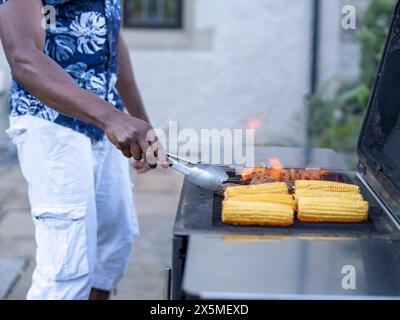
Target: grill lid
point(379, 141)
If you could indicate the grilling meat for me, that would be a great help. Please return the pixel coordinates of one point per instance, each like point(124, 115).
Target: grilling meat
point(263, 175)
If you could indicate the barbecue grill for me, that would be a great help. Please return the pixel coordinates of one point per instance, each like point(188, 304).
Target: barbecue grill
point(212, 260)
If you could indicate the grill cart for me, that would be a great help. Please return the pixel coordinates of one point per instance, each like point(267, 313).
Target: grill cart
point(307, 260)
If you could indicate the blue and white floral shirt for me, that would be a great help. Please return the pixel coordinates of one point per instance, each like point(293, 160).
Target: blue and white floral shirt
point(84, 43)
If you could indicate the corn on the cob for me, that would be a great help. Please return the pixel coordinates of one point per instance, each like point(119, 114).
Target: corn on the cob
point(266, 197)
point(277, 187)
point(332, 210)
point(326, 185)
point(256, 213)
point(314, 193)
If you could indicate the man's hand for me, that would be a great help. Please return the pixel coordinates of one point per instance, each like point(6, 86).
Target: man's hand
point(134, 138)
point(141, 167)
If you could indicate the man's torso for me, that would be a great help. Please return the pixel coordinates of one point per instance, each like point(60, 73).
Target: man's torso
point(84, 43)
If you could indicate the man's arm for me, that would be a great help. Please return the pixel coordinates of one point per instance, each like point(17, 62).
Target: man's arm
point(126, 84)
point(23, 40)
point(129, 92)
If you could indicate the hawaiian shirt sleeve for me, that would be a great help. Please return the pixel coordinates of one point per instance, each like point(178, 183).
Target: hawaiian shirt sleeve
point(55, 2)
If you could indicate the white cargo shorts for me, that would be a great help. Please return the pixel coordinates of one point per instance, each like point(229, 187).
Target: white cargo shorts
point(82, 207)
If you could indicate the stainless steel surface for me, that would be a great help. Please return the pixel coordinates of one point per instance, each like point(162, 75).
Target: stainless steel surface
point(207, 176)
point(167, 283)
point(267, 267)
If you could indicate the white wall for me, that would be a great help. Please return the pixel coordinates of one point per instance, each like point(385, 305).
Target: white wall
point(330, 42)
point(258, 67)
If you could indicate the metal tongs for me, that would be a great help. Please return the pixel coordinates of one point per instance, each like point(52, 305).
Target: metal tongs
point(207, 176)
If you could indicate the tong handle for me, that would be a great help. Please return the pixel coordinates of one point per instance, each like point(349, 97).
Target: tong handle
point(175, 157)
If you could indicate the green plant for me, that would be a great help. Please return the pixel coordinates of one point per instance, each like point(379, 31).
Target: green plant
point(373, 36)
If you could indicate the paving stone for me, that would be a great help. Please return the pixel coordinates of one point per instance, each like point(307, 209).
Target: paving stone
point(21, 287)
point(144, 278)
point(155, 203)
point(10, 270)
point(16, 203)
point(18, 212)
point(161, 180)
point(17, 226)
point(17, 248)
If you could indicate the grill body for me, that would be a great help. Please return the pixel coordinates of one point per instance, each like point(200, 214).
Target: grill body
point(198, 225)
point(216, 261)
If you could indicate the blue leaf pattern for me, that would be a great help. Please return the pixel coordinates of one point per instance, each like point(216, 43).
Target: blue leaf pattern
point(61, 47)
point(84, 43)
point(90, 31)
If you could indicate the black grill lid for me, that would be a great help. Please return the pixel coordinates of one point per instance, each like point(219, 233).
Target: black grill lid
point(379, 142)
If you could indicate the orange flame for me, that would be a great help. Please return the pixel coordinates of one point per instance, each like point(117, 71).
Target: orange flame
point(275, 166)
point(275, 163)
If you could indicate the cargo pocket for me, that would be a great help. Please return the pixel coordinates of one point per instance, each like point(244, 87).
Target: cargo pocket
point(62, 252)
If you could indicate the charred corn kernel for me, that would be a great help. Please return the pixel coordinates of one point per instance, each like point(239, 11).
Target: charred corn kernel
point(256, 213)
point(326, 185)
point(266, 197)
point(277, 187)
point(332, 210)
point(311, 193)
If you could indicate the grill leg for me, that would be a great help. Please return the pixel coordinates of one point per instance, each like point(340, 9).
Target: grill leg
point(178, 261)
point(167, 283)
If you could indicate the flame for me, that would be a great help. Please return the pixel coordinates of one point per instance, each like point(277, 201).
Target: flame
point(254, 123)
point(275, 166)
point(275, 163)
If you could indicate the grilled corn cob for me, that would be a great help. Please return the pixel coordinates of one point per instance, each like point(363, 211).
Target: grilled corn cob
point(332, 210)
point(277, 187)
point(267, 197)
point(326, 185)
point(256, 213)
point(313, 193)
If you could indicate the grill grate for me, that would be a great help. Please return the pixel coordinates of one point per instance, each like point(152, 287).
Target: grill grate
point(364, 227)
